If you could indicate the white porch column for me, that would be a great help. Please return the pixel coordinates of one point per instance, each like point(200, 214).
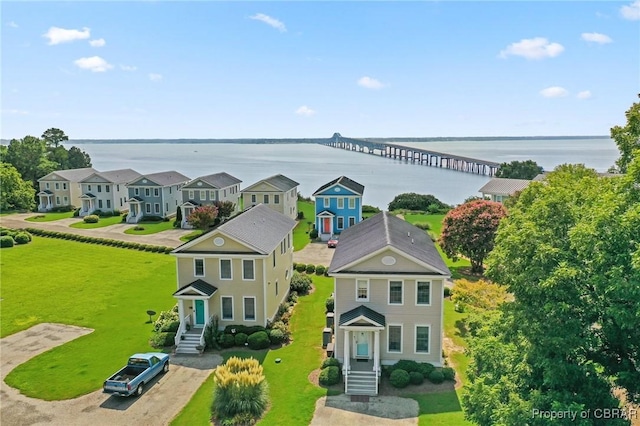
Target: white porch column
point(206, 312)
point(376, 351)
point(181, 312)
point(347, 355)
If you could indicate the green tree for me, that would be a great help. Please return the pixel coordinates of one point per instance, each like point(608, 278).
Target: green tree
point(54, 137)
point(28, 156)
point(78, 159)
point(225, 208)
point(203, 217)
point(60, 156)
point(15, 193)
point(421, 202)
point(519, 170)
point(569, 253)
point(627, 137)
point(177, 223)
point(469, 230)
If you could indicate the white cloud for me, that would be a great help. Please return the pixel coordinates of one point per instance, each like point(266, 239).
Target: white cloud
point(128, 67)
point(554, 92)
point(60, 35)
point(155, 77)
point(12, 24)
point(15, 112)
point(99, 42)
point(305, 111)
point(94, 64)
point(596, 38)
point(631, 11)
point(533, 48)
point(585, 94)
point(370, 83)
point(278, 25)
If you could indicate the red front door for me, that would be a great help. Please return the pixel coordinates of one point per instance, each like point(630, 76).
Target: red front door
point(326, 225)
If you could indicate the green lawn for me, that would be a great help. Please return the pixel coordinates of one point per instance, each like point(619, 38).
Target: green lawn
point(440, 409)
point(104, 221)
point(191, 235)
point(301, 231)
point(84, 285)
point(150, 227)
point(292, 396)
point(49, 217)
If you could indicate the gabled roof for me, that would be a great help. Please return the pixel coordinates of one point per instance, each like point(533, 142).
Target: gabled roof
point(45, 192)
point(165, 178)
point(280, 182)
point(116, 176)
point(381, 231)
point(136, 198)
point(503, 186)
point(72, 175)
point(344, 181)
point(217, 180)
point(87, 195)
point(362, 312)
point(198, 286)
point(259, 227)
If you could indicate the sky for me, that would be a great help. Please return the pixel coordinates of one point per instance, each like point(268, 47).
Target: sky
point(222, 69)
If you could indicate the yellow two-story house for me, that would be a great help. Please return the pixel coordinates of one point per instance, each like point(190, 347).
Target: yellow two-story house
point(239, 271)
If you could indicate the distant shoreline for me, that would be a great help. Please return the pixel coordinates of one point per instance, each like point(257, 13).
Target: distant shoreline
point(318, 140)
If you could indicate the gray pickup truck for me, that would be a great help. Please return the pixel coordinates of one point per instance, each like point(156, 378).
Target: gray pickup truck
point(139, 370)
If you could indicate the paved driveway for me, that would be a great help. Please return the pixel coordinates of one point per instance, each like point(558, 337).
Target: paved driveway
point(162, 400)
point(380, 411)
point(316, 253)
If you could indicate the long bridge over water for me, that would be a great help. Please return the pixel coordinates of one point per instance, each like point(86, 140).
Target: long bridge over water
point(415, 155)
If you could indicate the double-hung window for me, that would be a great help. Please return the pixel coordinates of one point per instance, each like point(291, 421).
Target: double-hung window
point(423, 293)
point(248, 272)
point(395, 292)
point(341, 203)
point(276, 199)
point(227, 308)
point(198, 267)
point(249, 308)
point(394, 338)
point(225, 269)
point(422, 338)
point(352, 203)
point(362, 290)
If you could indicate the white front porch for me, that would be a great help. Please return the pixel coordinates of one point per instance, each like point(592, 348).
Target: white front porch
point(324, 225)
point(88, 205)
point(361, 367)
point(136, 211)
point(46, 202)
point(194, 314)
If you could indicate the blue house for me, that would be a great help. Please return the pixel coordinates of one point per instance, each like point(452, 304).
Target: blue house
point(338, 206)
point(156, 194)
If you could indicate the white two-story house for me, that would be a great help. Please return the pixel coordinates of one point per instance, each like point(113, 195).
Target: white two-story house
point(389, 290)
point(278, 192)
point(106, 191)
point(61, 188)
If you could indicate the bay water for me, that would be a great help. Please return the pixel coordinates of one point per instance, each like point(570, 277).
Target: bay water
point(313, 165)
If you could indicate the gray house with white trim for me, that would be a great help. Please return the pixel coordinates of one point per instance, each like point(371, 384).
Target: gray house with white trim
point(206, 190)
point(156, 194)
point(499, 189)
point(106, 191)
point(389, 290)
point(277, 192)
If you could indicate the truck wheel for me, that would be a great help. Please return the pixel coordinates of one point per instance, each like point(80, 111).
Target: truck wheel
point(165, 367)
point(140, 389)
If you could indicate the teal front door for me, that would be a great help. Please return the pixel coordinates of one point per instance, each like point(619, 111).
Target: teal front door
point(362, 344)
point(199, 312)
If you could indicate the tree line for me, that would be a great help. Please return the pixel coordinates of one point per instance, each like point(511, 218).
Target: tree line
point(26, 160)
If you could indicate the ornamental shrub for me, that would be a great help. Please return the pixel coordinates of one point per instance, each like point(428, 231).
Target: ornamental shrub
point(436, 376)
point(227, 341)
point(280, 325)
point(311, 268)
point(276, 336)
point(329, 304)
point(259, 340)
point(425, 368)
point(313, 234)
point(162, 339)
point(22, 238)
point(416, 378)
point(399, 378)
point(241, 390)
point(240, 339)
point(449, 374)
point(422, 225)
point(301, 267)
point(300, 283)
point(320, 270)
point(329, 376)
point(330, 362)
point(6, 241)
point(92, 218)
point(447, 292)
point(406, 365)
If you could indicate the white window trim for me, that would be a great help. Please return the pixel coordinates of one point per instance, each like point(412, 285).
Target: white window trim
point(415, 339)
point(401, 338)
point(212, 194)
point(349, 221)
point(389, 293)
point(230, 270)
point(352, 203)
point(368, 291)
point(156, 208)
point(276, 198)
point(222, 308)
point(338, 222)
point(192, 194)
point(254, 199)
point(253, 263)
point(203, 194)
point(340, 203)
point(204, 270)
point(136, 191)
point(326, 202)
point(265, 198)
point(255, 307)
point(430, 292)
point(156, 192)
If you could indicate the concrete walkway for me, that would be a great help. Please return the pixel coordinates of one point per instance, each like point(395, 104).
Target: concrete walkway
point(168, 238)
point(380, 410)
point(316, 253)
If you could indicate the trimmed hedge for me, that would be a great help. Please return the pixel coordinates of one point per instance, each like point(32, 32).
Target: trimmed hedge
point(320, 270)
point(240, 339)
point(6, 241)
point(399, 378)
point(259, 340)
point(310, 268)
point(92, 218)
point(416, 378)
point(330, 362)
point(227, 341)
point(406, 365)
point(248, 330)
point(436, 376)
point(162, 339)
point(449, 374)
point(300, 283)
point(425, 369)
point(22, 238)
point(301, 267)
point(277, 336)
point(329, 376)
point(329, 304)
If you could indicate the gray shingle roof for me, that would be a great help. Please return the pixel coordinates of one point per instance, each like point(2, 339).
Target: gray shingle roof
point(503, 186)
point(385, 230)
point(260, 227)
point(344, 181)
point(72, 175)
point(217, 180)
point(281, 182)
point(199, 285)
point(120, 176)
point(167, 178)
point(364, 311)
